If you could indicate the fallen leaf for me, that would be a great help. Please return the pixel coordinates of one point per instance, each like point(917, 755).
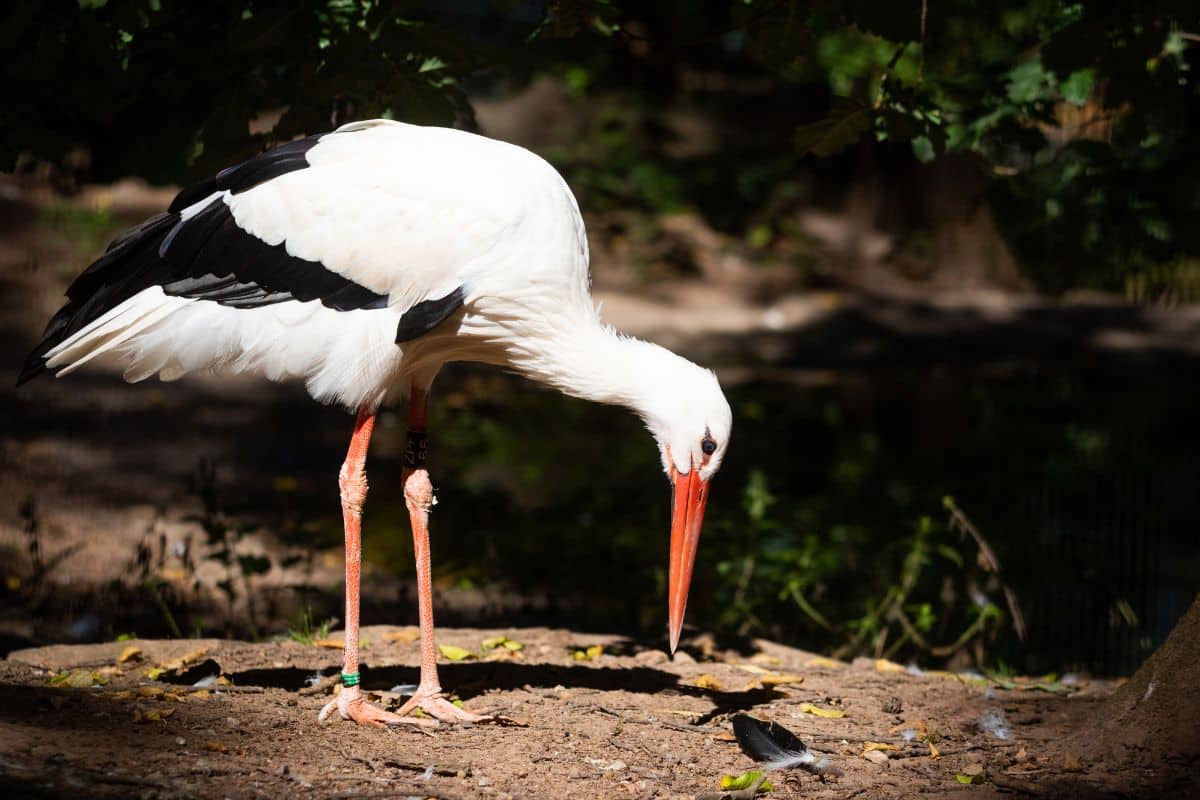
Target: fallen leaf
point(875, 756)
point(150, 691)
point(406, 635)
point(176, 664)
point(757, 670)
point(201, 693)
point(964, 778)
point(330, 644)
point(223, 681)
point(501, 642)
point(122, 695)
point(130, 653)
point(934, 755)
point(781, 679)
point(1021, 755)
point(455, 653)
point(724, 736)
point(745, 781)
point(590, 654)
point(1071, 763)
point(83, 679)
point(707, 681)
point(141, 716)
point(769, 660)
point(215, 747)
point(869, 746)
point(827, 663)
point(883, 665)
point(817, 711)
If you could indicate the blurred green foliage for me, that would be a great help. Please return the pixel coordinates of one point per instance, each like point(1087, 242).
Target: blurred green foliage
point(1081, 117)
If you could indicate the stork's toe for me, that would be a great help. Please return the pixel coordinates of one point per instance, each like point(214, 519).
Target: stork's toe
point(438, 707)
point(350, 704)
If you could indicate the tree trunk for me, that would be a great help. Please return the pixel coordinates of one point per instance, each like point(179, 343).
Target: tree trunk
point(1153, 721)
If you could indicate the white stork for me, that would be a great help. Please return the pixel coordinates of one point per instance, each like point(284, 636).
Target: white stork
point(360, 262)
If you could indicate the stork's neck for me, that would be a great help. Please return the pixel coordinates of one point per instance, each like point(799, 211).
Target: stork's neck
point(591, 361)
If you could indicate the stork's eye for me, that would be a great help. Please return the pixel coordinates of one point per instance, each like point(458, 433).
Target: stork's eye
point(708, 445)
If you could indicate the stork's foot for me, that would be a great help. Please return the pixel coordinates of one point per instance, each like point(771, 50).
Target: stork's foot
point(351, 704)
point(435, 705)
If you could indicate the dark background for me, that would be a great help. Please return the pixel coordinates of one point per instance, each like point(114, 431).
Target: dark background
point(943, 256)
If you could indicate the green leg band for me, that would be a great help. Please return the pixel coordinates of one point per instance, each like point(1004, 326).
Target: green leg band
point(349, 679)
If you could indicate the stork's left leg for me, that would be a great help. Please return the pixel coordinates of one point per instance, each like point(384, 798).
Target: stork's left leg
point(418, 496)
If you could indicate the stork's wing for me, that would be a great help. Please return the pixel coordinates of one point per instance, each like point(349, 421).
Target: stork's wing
point(373, 216)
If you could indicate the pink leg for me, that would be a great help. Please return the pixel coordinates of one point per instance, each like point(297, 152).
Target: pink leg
point(418, 495)
point(352, 480)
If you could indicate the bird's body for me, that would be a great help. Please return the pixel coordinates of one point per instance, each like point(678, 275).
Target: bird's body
point(360, 262)
point(383, 207)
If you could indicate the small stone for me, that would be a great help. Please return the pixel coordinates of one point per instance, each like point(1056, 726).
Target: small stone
point(893, 705)
point(651, 657)
point(681, 657)
point(179, 740)
point(616, 766)
point(484, 781)
point(1071, 763)
point(974, 768)
point(876, 756)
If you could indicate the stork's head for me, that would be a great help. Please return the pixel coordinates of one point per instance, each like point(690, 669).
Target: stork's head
point(691, 420)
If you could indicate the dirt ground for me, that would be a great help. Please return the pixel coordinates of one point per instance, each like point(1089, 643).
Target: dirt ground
point(622, 721)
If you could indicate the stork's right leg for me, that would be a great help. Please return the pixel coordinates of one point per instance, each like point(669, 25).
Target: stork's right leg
point(418, 495)
point(352, 481)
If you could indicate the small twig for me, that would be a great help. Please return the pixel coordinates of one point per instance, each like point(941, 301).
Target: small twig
point(1016, 784)
point(689, 728)
point(321, 686)
point(449, 770)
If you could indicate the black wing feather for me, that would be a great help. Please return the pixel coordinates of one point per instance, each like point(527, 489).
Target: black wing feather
point(428, 314)
point(206, 257)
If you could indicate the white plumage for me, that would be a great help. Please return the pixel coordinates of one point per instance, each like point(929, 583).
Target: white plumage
point(360, 262)
point(384, 205)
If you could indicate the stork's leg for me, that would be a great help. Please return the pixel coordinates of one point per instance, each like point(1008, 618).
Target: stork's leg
point(352, 480)
point(418, 496)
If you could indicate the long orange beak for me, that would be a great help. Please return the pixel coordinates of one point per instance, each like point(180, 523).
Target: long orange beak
point(691, 495)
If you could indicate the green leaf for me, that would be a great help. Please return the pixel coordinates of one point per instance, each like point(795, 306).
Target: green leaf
point(1077, 88)
point(970, 779)
point(923, 149)
point(1028, 82)
point(745, 781)
point(848, 120)
point(455, 653)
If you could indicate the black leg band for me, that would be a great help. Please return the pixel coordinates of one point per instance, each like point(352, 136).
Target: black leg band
point(416, 449)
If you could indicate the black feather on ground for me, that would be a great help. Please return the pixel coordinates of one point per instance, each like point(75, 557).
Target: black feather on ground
point(775, 747)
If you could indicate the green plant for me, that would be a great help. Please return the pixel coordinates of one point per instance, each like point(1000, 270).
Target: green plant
point(302, 630)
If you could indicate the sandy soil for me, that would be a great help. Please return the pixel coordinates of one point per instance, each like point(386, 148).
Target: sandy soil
point(627, 722)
